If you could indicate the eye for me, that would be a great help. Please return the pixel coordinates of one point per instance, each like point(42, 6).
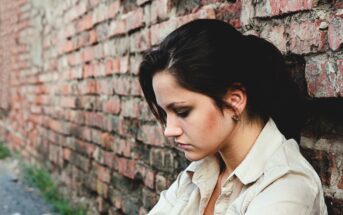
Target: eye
point(183, 113)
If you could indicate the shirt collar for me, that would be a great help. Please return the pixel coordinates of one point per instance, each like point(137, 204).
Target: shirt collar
point(252, 166)
point(268, 141)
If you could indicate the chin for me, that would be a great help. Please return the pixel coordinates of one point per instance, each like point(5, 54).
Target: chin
point(193, 156)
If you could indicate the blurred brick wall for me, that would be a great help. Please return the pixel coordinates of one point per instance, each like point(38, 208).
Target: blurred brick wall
point(70, 98)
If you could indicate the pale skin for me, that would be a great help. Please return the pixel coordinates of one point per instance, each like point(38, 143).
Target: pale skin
point(194, 120)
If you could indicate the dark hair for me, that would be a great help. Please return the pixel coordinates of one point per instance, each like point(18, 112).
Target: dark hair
point(209, 56)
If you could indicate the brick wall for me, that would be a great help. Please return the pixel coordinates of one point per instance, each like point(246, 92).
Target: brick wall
point(70, 98)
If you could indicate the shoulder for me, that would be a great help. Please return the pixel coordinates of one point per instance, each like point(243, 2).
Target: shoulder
point(288, 182)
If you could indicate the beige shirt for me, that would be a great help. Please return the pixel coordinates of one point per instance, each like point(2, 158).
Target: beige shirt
point(273, 179)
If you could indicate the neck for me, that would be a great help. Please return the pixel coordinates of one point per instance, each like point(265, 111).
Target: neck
point(239, 145)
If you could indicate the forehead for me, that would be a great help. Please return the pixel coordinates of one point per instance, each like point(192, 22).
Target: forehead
point(167, 90)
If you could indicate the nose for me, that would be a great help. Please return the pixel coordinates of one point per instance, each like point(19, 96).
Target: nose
point(172, 129)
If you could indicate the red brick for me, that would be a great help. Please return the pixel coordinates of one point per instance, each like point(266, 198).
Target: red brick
point(66, 154)
point(112, 106)
point(130, 108)
point(159, 31)
point(113, 9)
point(108, 67)
point(85, 23)
point(107, 140)
point(69, 102)
point(116, 65)
point(99, 70)
point(117, 27)
point(134, 19)
point(92, 37)
point(74, 58)
point(88, 70)
point(103, 173)
point(94, 119)
point(140, 41)
point(305, 37)
point(88, 54)
point(151, 134)
point(278, 7)
point(124, 64)
point(88, 86)
point(126, 167)
point(122, 147)
point(121, 85)
point(109, 159)
point(136, 89)
point(335, 33)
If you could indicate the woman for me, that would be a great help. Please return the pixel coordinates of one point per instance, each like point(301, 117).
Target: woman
point(227, 101)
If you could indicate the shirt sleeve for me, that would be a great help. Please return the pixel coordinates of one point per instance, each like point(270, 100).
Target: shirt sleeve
point(167, 199)
point(292, 194)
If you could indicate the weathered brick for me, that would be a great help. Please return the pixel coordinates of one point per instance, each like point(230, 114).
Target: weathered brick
point(130, 107)
point(134, 19)
point(98, 13)
point(159, 10)
point(122, 147)
point(275, 35)
point(85, 23)
point(140, 41)
point(121, 85)
point(159, 31)
point(230, 13)
point(163, 160)
point(276, 7)
point(136, 89)
point(116, 197)
point(162, 183)
point(134, 63)
point(322, 78)
point(340, 183)
point(306, 37)
point(323, 163)
point(126, 167)
point(151, 134)
point(103, 173)
point(149, 198)
point(335, 33)
point(117, 27)
point(80, 161)
point(112, 9)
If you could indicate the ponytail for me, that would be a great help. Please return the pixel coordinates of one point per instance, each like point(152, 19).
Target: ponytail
point(279, 97)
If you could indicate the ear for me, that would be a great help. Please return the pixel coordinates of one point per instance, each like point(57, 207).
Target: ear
point(237, 98)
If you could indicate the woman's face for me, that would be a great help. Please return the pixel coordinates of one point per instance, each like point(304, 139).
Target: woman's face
point(192, 118)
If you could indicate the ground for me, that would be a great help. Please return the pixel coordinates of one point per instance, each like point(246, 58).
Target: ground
point(16, 196)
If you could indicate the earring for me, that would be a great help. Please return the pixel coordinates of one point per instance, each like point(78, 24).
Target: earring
point(235, 118)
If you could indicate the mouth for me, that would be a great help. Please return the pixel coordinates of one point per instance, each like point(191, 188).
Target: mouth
point(183, 145)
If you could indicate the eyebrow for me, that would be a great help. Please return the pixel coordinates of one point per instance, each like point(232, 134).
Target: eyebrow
point(173, 104)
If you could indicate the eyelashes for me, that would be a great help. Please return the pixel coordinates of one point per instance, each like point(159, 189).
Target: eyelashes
point(182, 113)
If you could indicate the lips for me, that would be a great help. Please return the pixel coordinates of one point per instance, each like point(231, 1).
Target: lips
point(183, 145)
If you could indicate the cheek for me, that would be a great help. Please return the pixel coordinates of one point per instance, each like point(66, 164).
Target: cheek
point(209, 122)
